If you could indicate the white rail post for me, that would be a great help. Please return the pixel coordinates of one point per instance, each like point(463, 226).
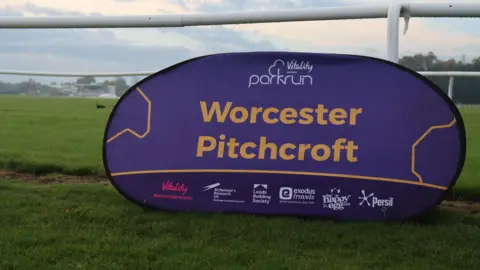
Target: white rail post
point(393, 20)
point(450, 87)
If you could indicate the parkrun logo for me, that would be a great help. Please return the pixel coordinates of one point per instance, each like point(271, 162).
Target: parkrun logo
point(284, 73)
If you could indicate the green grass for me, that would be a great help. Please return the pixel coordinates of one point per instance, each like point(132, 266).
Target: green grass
point(102, 230)
point(52, 135)
point(468, 184)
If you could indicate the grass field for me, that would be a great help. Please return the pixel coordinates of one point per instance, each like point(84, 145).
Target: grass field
point(91, 226)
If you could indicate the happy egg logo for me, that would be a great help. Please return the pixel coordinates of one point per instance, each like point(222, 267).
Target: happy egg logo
point(284, 73)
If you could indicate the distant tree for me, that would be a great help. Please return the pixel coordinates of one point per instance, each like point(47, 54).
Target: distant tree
point(465, 89)
point(86, 80)
point(121, 86)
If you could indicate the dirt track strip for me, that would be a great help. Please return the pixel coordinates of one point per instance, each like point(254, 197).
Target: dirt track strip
point(466, 207)
point(54, 179)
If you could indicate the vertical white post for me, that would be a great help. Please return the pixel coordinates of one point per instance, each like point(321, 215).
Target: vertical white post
point(393, 20)
point(450, 87)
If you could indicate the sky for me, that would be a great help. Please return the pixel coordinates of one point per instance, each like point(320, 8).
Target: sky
point(119, 50)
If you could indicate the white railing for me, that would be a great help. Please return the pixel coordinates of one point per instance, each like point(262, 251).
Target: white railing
point(76, 74)
point(393, 12)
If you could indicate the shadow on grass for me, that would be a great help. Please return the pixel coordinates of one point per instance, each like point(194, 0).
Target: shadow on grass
point(440, 216)
point(45, 169)
point(465, 194)
point(433, 217)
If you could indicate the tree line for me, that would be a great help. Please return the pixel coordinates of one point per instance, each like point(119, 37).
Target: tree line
point(33, 87)
point(465, 89)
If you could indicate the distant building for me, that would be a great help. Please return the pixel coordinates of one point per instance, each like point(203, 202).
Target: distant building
point(67, 89)
point(88, 90)
point(33, 92)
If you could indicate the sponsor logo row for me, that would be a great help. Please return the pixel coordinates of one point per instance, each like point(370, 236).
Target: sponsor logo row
point(334, 199)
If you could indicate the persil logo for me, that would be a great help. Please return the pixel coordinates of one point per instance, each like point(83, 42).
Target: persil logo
point(373, 201)
point(284, 73)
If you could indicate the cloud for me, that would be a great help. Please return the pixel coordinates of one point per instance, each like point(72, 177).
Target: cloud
point(100, 50)
point(96, 50)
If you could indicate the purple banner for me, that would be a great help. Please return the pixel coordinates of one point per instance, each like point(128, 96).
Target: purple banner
point(325, 135)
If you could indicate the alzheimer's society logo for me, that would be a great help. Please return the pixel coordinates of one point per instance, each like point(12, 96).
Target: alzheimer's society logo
point(284, 73)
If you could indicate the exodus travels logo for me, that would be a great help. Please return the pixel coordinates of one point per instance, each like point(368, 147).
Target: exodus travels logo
point(335, 201)
point(284, 73)
point(297, 195)
point(175, 191)
point(221, 194)
point(260, 194)
point(373, 201)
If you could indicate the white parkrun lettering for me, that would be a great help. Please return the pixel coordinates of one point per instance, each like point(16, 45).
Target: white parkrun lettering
point(284, 73)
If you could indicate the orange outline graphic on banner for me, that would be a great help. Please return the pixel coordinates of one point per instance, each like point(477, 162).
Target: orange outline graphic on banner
point(149, 119)
point(420, 179)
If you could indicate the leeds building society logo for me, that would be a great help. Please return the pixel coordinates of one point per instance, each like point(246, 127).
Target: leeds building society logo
point(284, 73)
point(297, 195)
point(260, 194)
point(222, 194)
point(372, 201)
point(335, 201)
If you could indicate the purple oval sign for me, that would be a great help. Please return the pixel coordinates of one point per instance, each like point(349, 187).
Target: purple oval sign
point(327, 135)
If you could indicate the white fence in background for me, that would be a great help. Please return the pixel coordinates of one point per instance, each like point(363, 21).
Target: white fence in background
point(393, 12)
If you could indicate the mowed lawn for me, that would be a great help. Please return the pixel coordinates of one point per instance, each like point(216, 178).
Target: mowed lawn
point(91, 226)
point(45, 135)
point(103, 231)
